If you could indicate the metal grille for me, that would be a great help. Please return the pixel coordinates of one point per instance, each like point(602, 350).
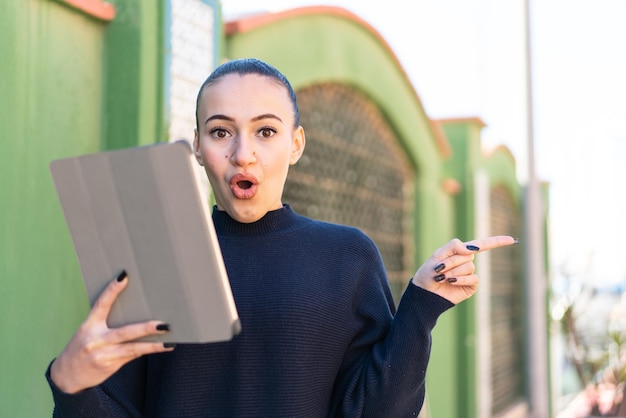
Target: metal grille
point(354, 172)
point(191, 48)
point(507, 296)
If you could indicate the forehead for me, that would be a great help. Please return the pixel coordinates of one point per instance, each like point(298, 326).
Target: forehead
point(234, 92)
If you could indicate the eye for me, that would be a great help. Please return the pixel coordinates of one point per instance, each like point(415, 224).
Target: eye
point(219, 133)
point(267, 132)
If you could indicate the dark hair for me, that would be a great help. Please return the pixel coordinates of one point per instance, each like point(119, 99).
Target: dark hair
point(250, 66)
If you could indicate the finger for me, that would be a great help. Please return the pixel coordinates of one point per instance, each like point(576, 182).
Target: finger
point(102, 306)
point(131, 351)
point(128, 333)
point(455, 246)
point(469, 280)
point(461, 270)
point(464, 269)
point(452, 262)
point(490, 243)
point(110, 358)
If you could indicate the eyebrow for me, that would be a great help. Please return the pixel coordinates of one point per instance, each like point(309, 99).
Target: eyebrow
point(254, 119)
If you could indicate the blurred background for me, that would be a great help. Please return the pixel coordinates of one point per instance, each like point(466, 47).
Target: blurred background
point(424, 121)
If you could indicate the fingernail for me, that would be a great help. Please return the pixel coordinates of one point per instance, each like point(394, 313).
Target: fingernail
point(439, 267)
point(122, 276)
point(439, 277)
point(515, 241)
point(452, 280)
point(472, 247)
point(163, 327)
point(169, 345)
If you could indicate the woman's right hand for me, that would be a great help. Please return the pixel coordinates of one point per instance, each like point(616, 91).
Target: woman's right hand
point(96, 351)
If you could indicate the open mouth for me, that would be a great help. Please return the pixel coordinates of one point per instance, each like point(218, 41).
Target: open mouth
point(244, 184)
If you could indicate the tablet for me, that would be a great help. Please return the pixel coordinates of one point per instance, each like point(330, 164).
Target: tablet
point(141, 210)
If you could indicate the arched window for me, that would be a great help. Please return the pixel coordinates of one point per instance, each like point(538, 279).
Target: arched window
point(355, 172)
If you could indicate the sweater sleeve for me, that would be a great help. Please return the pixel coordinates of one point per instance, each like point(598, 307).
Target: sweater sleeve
point(119, 396)
point(384, 371)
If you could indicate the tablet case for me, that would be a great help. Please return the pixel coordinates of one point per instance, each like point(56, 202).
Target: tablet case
point(140, 210)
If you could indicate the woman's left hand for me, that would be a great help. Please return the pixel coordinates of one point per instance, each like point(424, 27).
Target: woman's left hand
point(449, 272)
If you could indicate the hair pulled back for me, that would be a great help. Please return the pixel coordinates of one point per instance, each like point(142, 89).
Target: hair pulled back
point(250, 66)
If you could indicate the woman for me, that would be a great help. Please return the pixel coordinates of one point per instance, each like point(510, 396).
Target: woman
point(320, 332)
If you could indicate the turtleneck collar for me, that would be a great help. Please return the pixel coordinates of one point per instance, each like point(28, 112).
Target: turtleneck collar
point(273, 221)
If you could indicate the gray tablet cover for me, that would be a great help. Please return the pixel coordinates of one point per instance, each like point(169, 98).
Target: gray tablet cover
point(140, 210)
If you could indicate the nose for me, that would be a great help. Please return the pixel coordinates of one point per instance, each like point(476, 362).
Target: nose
point(244, 152)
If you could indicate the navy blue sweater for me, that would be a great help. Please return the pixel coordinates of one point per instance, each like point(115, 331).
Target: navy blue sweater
point(320, 336)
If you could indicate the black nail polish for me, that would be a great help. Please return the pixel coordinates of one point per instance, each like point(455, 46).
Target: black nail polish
point(169, 345)
point(439, 277)
point(122, 276)
point(163, 327)
point(472, 247)
point(439, 267)
point(452, 280)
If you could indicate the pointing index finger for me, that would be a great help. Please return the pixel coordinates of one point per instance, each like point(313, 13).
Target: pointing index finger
point(490, 243)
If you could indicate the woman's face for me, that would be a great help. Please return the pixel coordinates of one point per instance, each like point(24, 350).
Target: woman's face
point(246, 142)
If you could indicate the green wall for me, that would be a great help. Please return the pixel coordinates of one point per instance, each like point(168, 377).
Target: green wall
point(466, 158)
point(70, 85)
point(49, 108)
point(133, 76)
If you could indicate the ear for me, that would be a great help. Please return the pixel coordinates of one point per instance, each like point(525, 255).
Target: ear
point(297, 145)
point(196, 147)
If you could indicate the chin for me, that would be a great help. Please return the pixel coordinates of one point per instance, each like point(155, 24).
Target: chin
point(244, 215)
point(246, 219)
